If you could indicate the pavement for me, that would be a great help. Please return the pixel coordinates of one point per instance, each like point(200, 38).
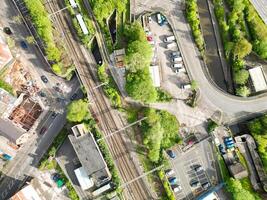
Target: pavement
point(233, 108)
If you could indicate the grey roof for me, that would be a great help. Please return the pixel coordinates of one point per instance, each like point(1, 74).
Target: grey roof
point(238, 170)
point(90, 156)
point(10, 131)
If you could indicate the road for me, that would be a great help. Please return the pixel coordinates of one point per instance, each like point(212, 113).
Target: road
point(109, 120)
point(232, 107)
point(27, 158)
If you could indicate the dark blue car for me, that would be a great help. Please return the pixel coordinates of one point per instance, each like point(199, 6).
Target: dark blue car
point(171, 153)
point(23, 45)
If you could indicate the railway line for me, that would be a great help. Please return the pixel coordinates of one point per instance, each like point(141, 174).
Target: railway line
point(108, 120)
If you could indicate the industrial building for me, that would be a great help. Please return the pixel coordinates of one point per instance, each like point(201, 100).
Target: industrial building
point(93, 170)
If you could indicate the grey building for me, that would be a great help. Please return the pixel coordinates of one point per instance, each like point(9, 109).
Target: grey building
point(89, 155)
point(237, 170)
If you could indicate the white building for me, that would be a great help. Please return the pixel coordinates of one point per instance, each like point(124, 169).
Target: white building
point(258, 78)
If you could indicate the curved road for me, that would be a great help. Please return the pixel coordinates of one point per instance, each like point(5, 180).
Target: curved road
point(233, 108)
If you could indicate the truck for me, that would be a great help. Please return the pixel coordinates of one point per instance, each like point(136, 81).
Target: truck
point(168, 39)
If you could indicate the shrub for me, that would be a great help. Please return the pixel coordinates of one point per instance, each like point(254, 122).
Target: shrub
point(243, 91)
point(212, 125)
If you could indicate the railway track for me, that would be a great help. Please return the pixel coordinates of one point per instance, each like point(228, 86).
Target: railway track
point(108, 120)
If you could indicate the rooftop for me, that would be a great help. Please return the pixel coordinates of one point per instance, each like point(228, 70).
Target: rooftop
point(10, 131)
point(27, 193)
point(6, 101)
point(89, 154)
point(154, 72)
point(261, 7)
point(237, 170)
point(258, 78)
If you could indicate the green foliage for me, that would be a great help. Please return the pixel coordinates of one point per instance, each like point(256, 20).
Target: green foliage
point(194, 85)
point(160, 130)
point(242, 48)
point(193, 19)
point(134, 32)
point(140, 87)
point(7, 87)
point(78, 111)
point(44, 27)
point(258, 128)
point(163, 96)
point(212, 125)
point(110, 88)
point(258, 30)
point(241, 76)
point(243, 91)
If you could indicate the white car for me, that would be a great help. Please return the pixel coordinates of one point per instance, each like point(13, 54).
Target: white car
point(186, 86)
point(169, 172)
point(178, 70)
point(177, 188)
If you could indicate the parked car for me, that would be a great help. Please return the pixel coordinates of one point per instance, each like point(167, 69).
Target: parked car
point(171, 45)
point(171, 153)
point(221, 149)
point(177, 65)
point(55, 177)
point(57, 89)
point(177, 59)
point(179, 70)
point(186, 86)
point(175, 54)
point(54, 115)
point(173, 180)
point(149, 38)
point(176, 188)
point(198, 168)
point(169, 172)
point(44, 79)
point(43, 130)
point(194, 183)
point(205, 185)
point(42, 94)
point(159, 19)
point(168, 39)
point(73, 96)
point(7, 30)
point(23, 44)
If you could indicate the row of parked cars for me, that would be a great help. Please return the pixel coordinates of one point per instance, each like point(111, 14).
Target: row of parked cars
point(176, 187)
point(194, 183)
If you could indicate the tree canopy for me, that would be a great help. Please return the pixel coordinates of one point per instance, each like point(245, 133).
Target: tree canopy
point(242, 48)
point(78, 111)
point(243, 91)
point(241, 76)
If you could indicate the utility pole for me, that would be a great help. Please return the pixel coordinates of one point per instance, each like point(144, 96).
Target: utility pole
point(123, 128)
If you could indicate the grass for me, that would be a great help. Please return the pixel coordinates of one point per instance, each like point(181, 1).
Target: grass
point(7, 87)
point(223, 169)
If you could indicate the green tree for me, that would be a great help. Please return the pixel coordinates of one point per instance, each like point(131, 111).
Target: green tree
point(7, 87)
point(243, 91)
point(242, 48)
point(30, 39)
point(194, 85)
point(139, 86)
point(77, 111)
point(138, 55)
point(241, 76)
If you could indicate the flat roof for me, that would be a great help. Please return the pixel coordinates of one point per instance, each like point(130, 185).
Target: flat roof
point(27, 193)
point(10, 130)
point(154, 73)
point(82, 24)
point(6, 101)
point(211, 196)
point(258, 78)
point(89, 155)
point(83, 178)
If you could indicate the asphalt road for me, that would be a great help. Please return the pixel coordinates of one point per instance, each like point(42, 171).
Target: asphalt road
point(27, 158)
point(233, 108)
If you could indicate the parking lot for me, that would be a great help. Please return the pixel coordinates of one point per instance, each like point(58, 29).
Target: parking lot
point(172, 78)
point(184, 166)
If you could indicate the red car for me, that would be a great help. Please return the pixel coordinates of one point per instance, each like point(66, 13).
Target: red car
point(149, 38)
point(43, 130)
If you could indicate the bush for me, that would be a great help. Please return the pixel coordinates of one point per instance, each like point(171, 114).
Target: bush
point(163, 96)
point(241, 76)
point(193, 19)
point(212, 125)
point(243, 91)
point(169, 193)
point(78, 111)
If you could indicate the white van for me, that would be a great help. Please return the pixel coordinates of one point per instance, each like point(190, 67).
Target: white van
point(177, 65)
point(177, 188)
point(186, 86)
point(169, 38)
point(178, 70)
point(169, 172)
point(177, 59)
point(159, 18)
point(171, 45)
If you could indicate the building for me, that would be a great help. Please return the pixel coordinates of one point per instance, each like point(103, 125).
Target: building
point(27, 193)
point(261, 7)
point(154, 73)
point(82, 24)
point(237, 170)
point(19, 117)
point(90, 157)
point(258, 78)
